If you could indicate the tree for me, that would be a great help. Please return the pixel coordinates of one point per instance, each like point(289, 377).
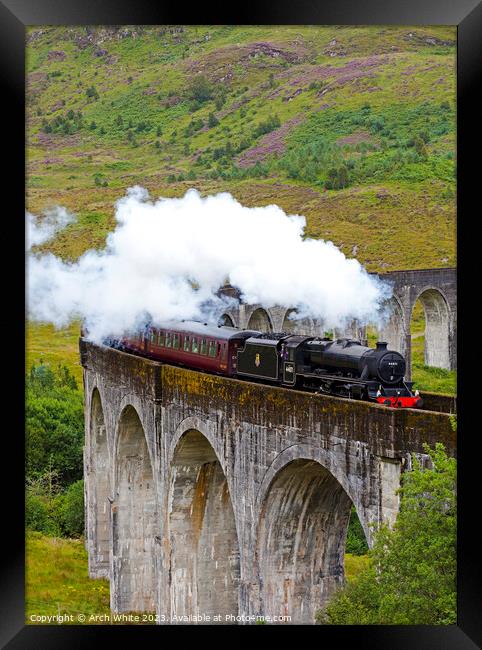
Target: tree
point(92, 92)
point(54, 420)
point(72, 509)
point(200, 89)
point(412, 575)
point(212, 120)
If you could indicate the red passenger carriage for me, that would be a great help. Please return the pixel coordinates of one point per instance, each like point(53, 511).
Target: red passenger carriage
point(193, 344)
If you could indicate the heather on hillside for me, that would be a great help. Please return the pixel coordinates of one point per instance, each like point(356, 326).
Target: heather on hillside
point(354, 127)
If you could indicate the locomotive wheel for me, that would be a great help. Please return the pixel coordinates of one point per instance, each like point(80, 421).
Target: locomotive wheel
point(387, 402)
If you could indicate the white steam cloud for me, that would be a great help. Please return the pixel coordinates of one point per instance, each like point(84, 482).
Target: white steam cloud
point(166, 259)
point(39, 231)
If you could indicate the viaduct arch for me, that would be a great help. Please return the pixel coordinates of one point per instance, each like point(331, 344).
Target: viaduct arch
point(232, 499)
point(436, 288)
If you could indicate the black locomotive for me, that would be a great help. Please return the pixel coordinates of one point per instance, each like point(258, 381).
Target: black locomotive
point(343, 367)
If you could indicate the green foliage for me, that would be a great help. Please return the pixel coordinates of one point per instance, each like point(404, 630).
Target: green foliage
point(337, 178)
point(72, 509)
point(395, 146)
point(273, 122)
point(200, 89)
point(41, 514)
point(212, 120)
point(356, 542)
point(64, 124)
point(412, 576)
point(92, 93)
point(193, 126)
point(54, 421)
point(43, 502)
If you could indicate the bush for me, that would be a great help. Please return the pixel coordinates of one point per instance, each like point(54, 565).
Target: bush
point(356, 542)
point(200, 89)
point(72, 509)
point(212, 120)
point(337, 178)
point(272, 123)
point(54, 513)
point(38, 515)
point(92, 92)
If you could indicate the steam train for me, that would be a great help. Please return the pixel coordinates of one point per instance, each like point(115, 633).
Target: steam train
point(342, 367)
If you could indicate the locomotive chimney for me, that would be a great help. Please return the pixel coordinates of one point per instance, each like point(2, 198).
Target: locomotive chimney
point(381, 345)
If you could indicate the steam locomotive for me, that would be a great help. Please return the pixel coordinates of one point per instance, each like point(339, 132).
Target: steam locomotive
point(342, 367)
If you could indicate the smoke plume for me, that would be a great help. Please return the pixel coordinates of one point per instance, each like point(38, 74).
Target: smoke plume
point(166, 259)
point(39, 231)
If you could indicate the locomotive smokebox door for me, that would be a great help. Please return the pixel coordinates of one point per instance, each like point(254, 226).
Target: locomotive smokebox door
point(289, 376)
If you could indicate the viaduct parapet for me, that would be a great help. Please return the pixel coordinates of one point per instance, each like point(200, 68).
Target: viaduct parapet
point(208, 496)
point(435, 288)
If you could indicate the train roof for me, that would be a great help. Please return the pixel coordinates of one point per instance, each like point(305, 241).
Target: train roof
point(207, 329)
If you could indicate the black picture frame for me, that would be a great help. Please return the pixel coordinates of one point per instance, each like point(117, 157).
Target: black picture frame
point(15, 15)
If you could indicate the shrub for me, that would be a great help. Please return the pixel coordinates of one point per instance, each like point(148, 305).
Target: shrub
point(72, 509)
point(337, 178)
point(212, 120)
point(272, 123)
point(200, 89)
point(92, 92)
point(356, 542)
point(38, 515)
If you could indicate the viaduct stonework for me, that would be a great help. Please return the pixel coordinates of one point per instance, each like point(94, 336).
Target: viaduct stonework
point(208, 496)
point(435, 288)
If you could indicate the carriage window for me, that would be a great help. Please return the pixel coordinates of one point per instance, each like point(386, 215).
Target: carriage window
point(175, 341)
point(153, 336)
point(212, 348)
point(160, 339)
point(203, 346)
point(168, 340)
point(195, 346)
point(186, 344)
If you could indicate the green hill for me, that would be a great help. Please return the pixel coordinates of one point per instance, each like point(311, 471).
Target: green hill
point(354, 127)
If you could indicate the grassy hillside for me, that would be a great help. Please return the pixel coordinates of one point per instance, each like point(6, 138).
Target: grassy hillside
point(354, 127)
point(45, 343)
point(57, 581)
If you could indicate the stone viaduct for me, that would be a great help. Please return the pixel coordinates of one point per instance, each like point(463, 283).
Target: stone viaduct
point(208, 496)
point(435, 288)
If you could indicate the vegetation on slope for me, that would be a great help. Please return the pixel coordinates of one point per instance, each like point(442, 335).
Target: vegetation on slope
point(353, 127)
point(54, 424)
